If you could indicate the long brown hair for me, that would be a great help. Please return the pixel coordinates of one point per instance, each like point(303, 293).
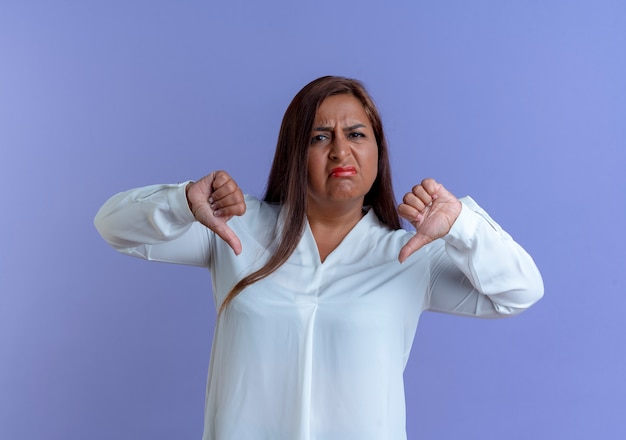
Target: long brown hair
point(287, 182)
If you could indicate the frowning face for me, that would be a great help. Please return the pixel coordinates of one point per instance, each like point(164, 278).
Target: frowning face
point(343, 154)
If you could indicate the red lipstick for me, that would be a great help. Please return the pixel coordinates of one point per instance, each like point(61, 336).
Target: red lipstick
point(343, 172)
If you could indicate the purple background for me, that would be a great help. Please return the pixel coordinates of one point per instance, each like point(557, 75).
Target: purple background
point(521, 104)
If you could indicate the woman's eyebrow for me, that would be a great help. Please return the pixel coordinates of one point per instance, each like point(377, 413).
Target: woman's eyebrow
point(323, 129)
point(350, 128)
point(354, 127)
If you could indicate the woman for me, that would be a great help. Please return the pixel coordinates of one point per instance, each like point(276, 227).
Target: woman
point(318, 288)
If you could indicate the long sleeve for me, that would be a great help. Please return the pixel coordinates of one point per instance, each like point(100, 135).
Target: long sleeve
point(481, 270)
point(154, 223)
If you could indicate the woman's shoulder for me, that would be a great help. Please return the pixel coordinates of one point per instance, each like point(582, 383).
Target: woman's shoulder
point(259, 208)
point(259, 217)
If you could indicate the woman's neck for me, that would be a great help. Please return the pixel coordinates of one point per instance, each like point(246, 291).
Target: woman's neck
point(330, 226)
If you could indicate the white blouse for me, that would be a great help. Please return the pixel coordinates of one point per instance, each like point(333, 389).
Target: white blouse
point(316, 351)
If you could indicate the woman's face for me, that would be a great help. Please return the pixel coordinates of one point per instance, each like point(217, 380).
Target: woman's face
point(343, 154)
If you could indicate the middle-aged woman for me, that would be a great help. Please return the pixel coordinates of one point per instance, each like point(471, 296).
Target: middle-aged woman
point(318, 288)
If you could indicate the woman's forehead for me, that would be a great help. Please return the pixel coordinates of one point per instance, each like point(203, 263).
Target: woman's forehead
point(345, 109)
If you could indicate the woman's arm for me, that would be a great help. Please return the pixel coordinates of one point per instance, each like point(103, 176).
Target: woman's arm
point(154, 223)
point(481, 270)
point(158, 222)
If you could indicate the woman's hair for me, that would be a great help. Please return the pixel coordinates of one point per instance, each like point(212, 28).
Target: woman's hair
point(287, 182)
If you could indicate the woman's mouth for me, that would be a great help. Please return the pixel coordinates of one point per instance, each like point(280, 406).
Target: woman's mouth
point(343, 172)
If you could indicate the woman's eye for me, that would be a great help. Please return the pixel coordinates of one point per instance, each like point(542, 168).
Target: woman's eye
point(318, 138)
point(356, 134)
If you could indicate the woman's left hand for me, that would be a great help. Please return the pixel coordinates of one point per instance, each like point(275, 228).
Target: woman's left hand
point(432, 210)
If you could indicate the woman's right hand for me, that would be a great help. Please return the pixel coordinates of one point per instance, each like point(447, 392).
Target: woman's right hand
point(214, 200)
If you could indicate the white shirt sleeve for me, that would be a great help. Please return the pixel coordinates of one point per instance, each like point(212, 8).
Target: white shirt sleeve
point(481, 270)
point(155, 223)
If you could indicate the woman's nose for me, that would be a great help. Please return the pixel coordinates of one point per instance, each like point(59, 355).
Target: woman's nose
point(340, 148)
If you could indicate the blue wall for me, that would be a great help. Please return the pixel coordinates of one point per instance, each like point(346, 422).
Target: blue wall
point(521, 104)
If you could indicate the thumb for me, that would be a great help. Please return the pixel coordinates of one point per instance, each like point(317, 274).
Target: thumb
point(413, 245)
point(227, 234)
